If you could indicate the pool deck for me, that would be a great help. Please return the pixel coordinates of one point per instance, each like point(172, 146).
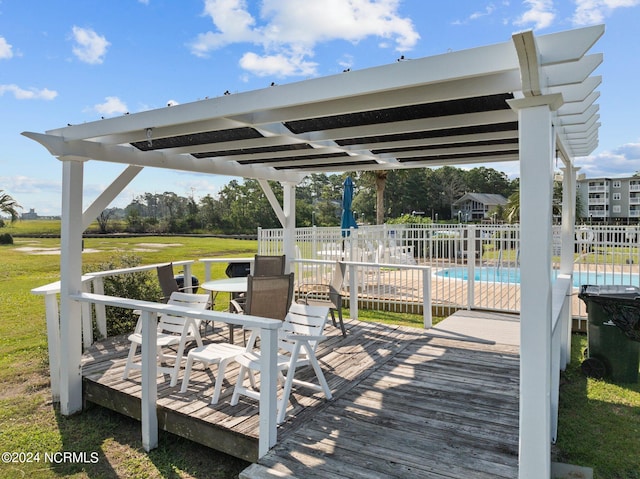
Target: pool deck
point(481, 327)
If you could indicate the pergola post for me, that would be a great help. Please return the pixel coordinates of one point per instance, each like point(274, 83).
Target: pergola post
point(71, 283)
point(567, 251)
point(537, 149)
point(289, 209)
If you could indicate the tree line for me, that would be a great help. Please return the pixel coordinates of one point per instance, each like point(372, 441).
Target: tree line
point(241, 206)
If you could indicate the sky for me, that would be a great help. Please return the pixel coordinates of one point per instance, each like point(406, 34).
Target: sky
point(74, 61)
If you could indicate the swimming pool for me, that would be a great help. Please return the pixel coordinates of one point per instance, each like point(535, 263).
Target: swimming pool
point(512, 275)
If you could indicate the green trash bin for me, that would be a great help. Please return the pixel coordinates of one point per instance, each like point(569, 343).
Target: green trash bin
point(613, 332)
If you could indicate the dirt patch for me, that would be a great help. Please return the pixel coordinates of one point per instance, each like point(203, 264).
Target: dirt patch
point(157, 245)
point(35, 250)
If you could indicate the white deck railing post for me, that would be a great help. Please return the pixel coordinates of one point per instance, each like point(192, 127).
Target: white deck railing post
point(186, 274)
point(427, 313)
point(149, 416)
point(87, 320)
point(471, 263)
point(268, 432)
point(100, 309)
point(353, 291)
point(53, 343)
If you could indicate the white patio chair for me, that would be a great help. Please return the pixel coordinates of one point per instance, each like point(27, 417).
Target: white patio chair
point(297, 341)
point(172, 331)
point(215, 353)
point(267, 297)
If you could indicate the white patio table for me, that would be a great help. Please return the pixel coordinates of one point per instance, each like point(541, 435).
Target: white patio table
point(225, 285)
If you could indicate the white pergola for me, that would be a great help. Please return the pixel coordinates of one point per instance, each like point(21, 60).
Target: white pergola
point(530, 99)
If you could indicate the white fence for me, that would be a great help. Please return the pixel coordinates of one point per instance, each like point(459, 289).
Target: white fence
point(473, 266)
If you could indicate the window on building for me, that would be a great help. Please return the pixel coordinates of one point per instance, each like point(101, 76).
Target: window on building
point(617, 184)
point(617, 209)
point(617, 196)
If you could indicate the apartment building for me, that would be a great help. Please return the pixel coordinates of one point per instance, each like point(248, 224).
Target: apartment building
point(609, 200)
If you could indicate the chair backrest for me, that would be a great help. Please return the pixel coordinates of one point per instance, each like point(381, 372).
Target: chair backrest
point(269, 296)
point(335, 287)
point(168, 283)
point(265, 265)
point(338, 276)
point(302, 319)
point(175, 324)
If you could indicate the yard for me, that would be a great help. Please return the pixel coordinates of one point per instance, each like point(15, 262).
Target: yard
point(599, 422)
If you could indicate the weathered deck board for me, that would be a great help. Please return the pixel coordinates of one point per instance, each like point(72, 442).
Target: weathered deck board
point(406, 404)
point(435, 410)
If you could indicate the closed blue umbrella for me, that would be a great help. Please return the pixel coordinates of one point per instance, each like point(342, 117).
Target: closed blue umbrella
point(347, 220)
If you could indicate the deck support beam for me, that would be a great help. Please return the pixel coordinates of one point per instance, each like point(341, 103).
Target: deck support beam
point(71, 283)
point(537, 148)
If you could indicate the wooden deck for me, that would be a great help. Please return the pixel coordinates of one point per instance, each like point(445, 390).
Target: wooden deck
point(407, 403)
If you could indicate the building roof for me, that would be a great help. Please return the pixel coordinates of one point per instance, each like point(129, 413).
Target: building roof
point(490, 199)
point(446, 109)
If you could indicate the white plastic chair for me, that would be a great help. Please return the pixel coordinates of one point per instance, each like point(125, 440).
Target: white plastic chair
point(215, 353)
point(298, 338)
point(172, 331)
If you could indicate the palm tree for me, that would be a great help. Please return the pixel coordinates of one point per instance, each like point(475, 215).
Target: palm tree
point(379, 179)
point(9, 206)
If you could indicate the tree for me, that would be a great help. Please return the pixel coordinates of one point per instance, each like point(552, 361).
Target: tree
point(103, 219)
point(377, 178)
point(488, 180)
point(9, 206)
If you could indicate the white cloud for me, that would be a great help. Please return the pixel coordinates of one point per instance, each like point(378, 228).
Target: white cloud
point(89, 47)
point(622, 161)
point(279, 65)
point(112, 106)
point(540, 14)
point(21, 185)
point(30, 94)
point(489, 9)
point(172, 103)
point(589, 12)
point(289, 30)
point(6, 51)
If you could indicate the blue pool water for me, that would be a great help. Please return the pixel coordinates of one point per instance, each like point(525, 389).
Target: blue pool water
point(512, 275)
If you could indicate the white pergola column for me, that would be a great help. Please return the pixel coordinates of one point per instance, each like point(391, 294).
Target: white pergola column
point(567, 255)
point(71, 283)
point(289, 207)
point(536, 193)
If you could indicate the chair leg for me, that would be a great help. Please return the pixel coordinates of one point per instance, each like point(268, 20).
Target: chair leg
point(239, 388)
point(129, 364)
point(176, 367)
point(219, 380)
point(333, 318)
point(187, 373)
point(284, 401)
point(319, 374)
point(344, 332)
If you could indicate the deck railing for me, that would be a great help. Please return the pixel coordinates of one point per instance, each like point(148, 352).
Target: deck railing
point(149, 313)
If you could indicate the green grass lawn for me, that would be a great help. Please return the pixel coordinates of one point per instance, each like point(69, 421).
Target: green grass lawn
point(599, 422)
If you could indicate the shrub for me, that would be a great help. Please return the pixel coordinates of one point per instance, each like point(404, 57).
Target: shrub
point(6, 238)
point(140, 285)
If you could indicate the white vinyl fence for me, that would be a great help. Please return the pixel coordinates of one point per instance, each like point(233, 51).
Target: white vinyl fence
point(474, 266)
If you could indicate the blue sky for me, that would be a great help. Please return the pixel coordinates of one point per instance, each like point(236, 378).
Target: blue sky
point(73, 61)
